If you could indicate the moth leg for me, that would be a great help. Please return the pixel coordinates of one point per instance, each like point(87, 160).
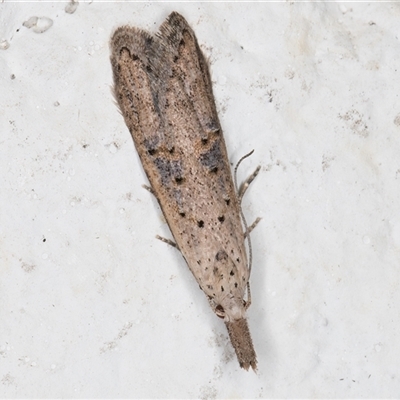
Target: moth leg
point(251, 227)
point(246, 184)
point(149, 188)
point(240, 193)
point(168, 241)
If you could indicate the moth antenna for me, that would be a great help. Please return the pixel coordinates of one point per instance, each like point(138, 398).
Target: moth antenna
point(237, 166)
point(242, 216)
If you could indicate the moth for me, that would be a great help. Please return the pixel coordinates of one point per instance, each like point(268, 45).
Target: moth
point(162, 86)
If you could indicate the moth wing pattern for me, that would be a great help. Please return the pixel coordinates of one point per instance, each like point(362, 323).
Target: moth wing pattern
point(163, 87)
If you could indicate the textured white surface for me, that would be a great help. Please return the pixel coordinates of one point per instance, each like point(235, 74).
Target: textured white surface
point(91, 305)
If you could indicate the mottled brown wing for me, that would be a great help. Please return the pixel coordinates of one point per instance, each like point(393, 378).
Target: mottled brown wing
point(180, 143)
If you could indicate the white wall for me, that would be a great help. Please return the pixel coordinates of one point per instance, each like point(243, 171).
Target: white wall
point(92, 305)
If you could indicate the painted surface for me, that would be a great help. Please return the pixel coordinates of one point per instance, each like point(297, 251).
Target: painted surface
point(92, 305)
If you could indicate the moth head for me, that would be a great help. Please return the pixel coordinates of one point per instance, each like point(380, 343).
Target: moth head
point(231, 309)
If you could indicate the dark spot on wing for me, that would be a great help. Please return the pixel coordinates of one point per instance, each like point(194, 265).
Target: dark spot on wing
point(168, 170)
point(212, 158)
point(221, 255)
point(151, 144)
point(213, 127)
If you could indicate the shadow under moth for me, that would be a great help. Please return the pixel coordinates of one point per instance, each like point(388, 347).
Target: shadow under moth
point(163, 88)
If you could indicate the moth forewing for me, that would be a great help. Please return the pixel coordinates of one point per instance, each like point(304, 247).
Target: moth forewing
point(162, 85)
